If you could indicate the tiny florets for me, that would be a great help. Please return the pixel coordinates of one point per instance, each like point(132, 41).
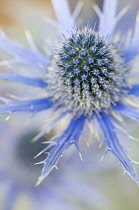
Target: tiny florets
point(85, 86)
point(89, 73)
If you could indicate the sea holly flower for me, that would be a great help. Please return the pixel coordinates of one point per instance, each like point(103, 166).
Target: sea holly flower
point(18, 175)
point(87, 80)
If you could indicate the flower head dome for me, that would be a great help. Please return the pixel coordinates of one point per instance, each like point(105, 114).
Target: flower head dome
point(88, 78)
point(89, 74)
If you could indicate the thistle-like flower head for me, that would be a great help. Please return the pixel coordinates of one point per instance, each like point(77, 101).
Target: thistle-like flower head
point(89, 74)
point(86, 82)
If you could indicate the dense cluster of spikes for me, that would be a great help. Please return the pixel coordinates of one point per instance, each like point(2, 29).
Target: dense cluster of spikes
point(89, 74)
point(77, 73)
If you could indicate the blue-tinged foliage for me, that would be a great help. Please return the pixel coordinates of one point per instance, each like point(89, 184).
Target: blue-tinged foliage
point(134, 90)
point(18, 174)
point(88, 76)
point(23, 55)
point(113, 145)
point(131, 53)
point(128, 111)
point(70, 136)
point(35, 82)
point(25, 106)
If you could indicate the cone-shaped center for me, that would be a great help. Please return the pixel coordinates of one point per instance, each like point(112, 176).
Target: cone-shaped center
point(89, 74)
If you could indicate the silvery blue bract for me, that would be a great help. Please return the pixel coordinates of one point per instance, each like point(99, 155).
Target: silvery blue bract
point(88, 77)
